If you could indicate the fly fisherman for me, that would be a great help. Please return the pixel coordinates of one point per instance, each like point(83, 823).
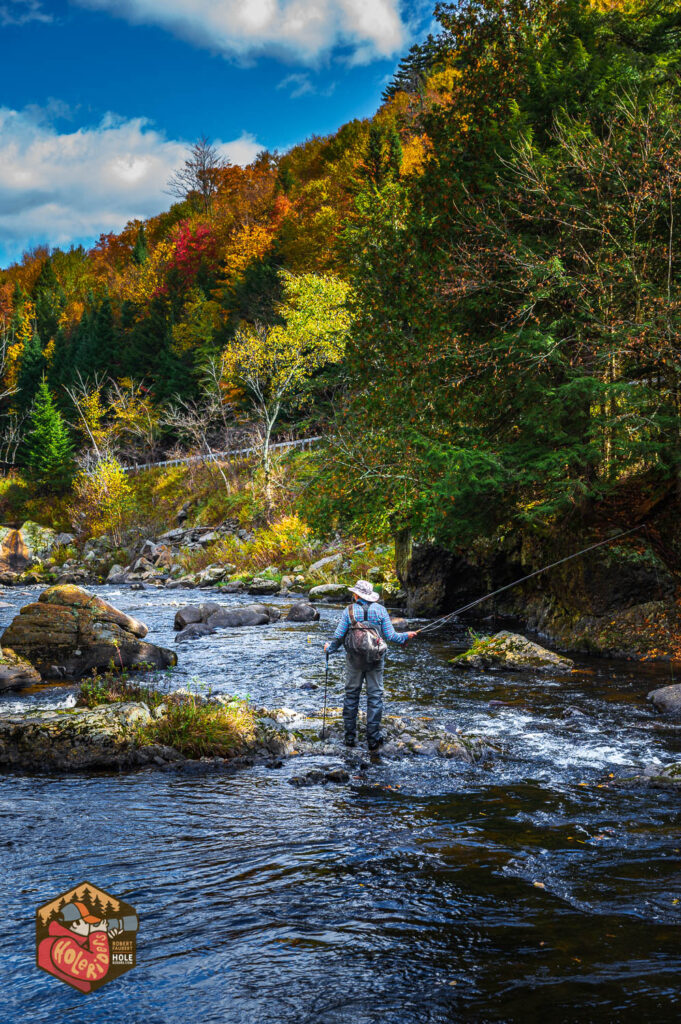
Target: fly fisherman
point(363, 629)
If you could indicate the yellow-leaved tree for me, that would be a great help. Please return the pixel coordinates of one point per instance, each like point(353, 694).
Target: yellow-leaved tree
point(104, 500)
point(272, 364)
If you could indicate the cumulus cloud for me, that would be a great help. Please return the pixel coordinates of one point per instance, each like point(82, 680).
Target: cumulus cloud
point(303, 29)
point(59, 187)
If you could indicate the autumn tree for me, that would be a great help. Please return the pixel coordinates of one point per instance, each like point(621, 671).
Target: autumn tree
point(104, 499)
point(273, 363)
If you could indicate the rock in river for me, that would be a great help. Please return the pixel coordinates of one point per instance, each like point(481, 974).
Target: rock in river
point(15, 672)
point(330, 592)
point(511, 651)
point(191, 618)
point(76, 632)
point(667, 699)
point(302, 611)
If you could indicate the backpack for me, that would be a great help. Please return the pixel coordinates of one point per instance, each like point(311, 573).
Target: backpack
point(363, 643)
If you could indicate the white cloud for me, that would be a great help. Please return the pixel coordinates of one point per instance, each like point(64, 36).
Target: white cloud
point(302, 29)
point(300, 84)
point(20, 12)
point(60, 187)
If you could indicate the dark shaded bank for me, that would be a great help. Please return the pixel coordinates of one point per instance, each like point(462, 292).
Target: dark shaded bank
point(620, 600)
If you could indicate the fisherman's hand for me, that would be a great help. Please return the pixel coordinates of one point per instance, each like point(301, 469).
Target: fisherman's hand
point(326, 648)
point(410, 636)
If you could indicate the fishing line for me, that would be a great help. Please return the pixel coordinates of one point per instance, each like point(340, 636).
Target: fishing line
point(446, 618)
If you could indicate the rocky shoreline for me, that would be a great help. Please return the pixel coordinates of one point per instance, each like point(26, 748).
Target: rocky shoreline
point(36, 554)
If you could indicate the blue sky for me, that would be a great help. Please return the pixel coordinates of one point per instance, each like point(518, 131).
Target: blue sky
point(100, 97)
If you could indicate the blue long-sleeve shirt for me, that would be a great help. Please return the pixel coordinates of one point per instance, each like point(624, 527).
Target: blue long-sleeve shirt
point(376, 615)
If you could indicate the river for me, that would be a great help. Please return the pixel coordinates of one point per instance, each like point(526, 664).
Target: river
point(424, 891)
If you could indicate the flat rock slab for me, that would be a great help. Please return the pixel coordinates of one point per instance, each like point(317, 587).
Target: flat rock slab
point(72, 631)
point(73, 738)
point(667, 699)
point(511, 651)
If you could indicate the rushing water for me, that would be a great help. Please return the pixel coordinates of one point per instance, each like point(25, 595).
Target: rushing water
point(423, 891)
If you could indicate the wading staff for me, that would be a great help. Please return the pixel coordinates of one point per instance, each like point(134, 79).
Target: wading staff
point(326, 683)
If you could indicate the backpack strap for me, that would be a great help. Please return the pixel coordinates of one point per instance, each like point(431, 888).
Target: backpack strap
point(351, 614)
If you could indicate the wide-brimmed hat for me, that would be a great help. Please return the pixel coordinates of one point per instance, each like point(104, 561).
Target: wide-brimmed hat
point(364, 590)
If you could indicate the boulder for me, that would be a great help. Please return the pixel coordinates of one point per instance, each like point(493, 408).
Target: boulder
point(302, 611)
point(263, 586)
point(184, 582)
point(117, 574)
point(20, 548)
point(273, 613)
point(193, 632)
point(327, 564)
point(329, 592)
point(73, 738)
point(39, 540)
point(667, 699)
point(505, 651)
point(77, 632)
point(246, 616)
point(654, 775)
point(209, 538)
point(186, 616)
point(234, 587)
point(16, 673)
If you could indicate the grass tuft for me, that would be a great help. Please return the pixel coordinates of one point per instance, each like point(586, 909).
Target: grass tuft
point(188, 722)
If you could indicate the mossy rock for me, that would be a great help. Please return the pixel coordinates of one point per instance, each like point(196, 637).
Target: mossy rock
point(511, 651)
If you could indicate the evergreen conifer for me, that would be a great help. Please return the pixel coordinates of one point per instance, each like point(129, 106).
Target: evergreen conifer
point(48, 448)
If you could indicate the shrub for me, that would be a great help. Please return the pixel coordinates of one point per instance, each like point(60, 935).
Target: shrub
point(283, 543)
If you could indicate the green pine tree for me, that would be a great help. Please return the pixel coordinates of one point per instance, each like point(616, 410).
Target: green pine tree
point(394, 152)
point(49, 299)
point(140, 252)
point(48, 448)
point(31, 367)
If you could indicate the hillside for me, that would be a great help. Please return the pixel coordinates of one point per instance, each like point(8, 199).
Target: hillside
point(474, 295)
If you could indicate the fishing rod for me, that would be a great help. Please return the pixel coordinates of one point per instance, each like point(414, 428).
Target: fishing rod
point(446, 618)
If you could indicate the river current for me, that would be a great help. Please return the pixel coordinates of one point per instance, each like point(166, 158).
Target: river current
point(425, 890)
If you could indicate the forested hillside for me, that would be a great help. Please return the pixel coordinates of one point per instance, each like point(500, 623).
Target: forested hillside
point(474, 294)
